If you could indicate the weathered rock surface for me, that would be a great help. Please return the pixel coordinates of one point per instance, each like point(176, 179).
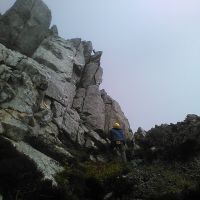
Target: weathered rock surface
point(51, 106)
point(114, 113)
point(46, 165)
point(25, 25)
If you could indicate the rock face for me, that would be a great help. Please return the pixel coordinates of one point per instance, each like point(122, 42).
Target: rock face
point(50, 101)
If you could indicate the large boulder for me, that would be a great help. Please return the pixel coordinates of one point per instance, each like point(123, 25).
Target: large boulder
point(25, 25)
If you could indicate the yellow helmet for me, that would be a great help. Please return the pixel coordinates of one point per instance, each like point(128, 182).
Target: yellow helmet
point(116, 125)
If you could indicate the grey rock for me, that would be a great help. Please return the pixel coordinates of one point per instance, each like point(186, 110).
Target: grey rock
point(58, 109)
point(76, 42)
point(1, 128)
point(101, 158)
point(92, 158)
point(79, 99)
point(43, 117)
point(60, 90)
point(81, 136)
point(96, 57)
point(46, 140)
point(89, 73)
point(141, 131)
point(90, 144)
point(98, 76)
point(6, 92)
point(21, 95)
point(45, 164)
point(57, 54)
point(27, 23)
point(10, 58)
point(12, 126)
point(5, 73)
point(94, 109)
point(113, 113)
point(60, 55)
point(192, 117)
point(54, 30)
point(69, 125)
point(95, 136)
point(87, 50)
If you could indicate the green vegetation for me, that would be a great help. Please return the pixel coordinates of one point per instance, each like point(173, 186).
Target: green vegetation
point(154, 181)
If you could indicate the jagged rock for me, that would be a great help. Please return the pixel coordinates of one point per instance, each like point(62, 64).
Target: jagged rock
point(98, 76)
point(92, 75)
point(54, 30)
point(21, 96)
point(46, 140)
point(45, 164)
point(1, 128)
point(58, 109)
point(69, 125)
point(10, 58)
point(12, 126)
point(140, 134)
point(174, 141)
point(192, 118)
point(92, 158)
point(79, 99)
point(81, 136)
point(60, 90)
point(27, 23)
point(90, 144)
point(60, 55)
point(114, 113)
point(87, 50)
point(96, 57)
point(96, 137)
point(94, 109)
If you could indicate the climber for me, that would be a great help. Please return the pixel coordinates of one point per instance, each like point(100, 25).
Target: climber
point(117, 138)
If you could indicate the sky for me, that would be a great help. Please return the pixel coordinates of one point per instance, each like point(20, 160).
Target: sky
point(151, 52)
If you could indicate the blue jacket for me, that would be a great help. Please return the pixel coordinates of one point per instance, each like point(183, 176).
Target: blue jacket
point(117, 134)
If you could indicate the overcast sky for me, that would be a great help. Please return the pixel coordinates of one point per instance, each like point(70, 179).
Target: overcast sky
point(151, 52)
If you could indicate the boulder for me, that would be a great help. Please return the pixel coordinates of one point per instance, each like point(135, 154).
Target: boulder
point(25, 25)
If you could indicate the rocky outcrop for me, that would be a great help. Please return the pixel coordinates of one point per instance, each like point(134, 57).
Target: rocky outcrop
point(25, 25)
point(171, 141)
point(50, 102)
point(114, 113)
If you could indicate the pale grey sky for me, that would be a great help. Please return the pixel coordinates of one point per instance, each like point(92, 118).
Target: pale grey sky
point(151, 56)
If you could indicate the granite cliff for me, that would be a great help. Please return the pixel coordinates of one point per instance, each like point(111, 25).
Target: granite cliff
point(51, 107)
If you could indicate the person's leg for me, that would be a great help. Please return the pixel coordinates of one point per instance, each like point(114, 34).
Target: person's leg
point(123, 153)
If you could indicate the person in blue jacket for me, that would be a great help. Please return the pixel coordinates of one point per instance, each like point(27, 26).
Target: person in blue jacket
point(117, 138)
